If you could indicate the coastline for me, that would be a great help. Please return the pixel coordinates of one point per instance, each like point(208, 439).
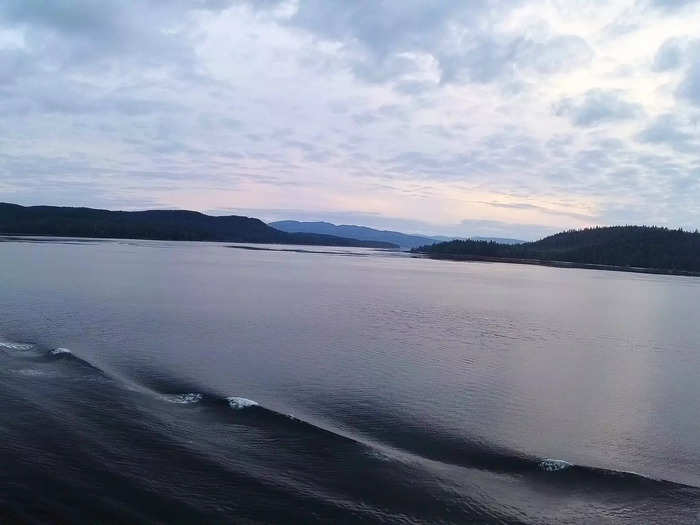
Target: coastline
point(555, 264)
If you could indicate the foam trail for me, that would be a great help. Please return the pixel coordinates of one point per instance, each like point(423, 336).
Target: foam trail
point(30, 372)
point(16, 346)
point(183, 399)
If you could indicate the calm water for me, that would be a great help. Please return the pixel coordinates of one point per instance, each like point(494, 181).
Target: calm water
point(211, 384)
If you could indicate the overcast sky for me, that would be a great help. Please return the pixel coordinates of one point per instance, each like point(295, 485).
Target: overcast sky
point(458, 117)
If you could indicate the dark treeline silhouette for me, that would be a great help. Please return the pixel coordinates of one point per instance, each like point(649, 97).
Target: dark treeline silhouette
point(173, 225)
point(622, 246)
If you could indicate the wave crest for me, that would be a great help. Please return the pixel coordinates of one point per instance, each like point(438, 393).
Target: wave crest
point(238, 403)
point(553, 465)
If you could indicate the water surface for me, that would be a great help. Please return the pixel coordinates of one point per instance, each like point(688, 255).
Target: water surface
point(200, 382)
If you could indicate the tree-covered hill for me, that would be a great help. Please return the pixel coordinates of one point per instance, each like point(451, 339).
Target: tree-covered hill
point(155, 224)
point(621, 246)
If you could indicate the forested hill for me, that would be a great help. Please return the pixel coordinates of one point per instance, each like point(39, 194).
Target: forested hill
point(155, 224)
point(620, 246)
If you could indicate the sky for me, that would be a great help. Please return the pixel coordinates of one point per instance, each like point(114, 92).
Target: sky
point(493, 117)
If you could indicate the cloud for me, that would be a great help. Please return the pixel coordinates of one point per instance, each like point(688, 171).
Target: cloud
point(672, 131)
point(392, 39)
point(682, 54)
point(494, 228)
point(689, 88)
point(596, 107)
point(542, 209)
point(373, 111)
point(673, 4)
point(670, 55)
point(487, 59)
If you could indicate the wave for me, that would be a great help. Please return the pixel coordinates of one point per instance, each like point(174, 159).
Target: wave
point(65, 355)
point(553, 465)
point(300, 250)
point(548, 470)
point(399, 441)
point(238, 403)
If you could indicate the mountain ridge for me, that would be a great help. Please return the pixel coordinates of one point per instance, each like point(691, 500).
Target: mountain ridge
point(175, 225)
point(405, 240)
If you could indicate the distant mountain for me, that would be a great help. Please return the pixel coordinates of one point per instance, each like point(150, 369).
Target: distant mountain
point(354, 232)
point(617, 247)
point(173, 225)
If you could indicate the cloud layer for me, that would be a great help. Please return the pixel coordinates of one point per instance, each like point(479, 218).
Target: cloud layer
point(463, 117)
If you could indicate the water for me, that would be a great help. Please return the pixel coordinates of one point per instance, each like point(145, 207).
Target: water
point(202, 383)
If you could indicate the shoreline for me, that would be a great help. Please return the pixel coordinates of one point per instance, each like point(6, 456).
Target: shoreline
point(555, 264)
point(45, 237)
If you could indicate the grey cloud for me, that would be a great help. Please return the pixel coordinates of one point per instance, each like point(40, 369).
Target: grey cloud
point(47, 94)
point(383, 27)
point(458, 34)
point(71, 34)
point(597, 107)
point(491, 228)
point(672, 4)
point(559, 54)
point(541, 209)
point(610, 143)
point(676, 53)
point(560, 145)
point(97, 18)
point(668, 129)
point(414, 87)
point(689, 89)
point(490, 57)
point(483, 61)
point(14, 64)
point(670, 55)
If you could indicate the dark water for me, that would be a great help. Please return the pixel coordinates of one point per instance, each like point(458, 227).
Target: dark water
point(386, 388)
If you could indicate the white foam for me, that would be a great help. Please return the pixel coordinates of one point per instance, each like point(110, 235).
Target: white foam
point(240, 402)
point(553, 465)
point(183, 399)
point(58, 351)
point(16, 346)
point(29, 372)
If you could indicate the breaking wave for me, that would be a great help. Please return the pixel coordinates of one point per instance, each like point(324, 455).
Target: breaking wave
point(238, 403)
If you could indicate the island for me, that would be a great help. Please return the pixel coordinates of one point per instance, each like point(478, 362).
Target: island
point(647, 249)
